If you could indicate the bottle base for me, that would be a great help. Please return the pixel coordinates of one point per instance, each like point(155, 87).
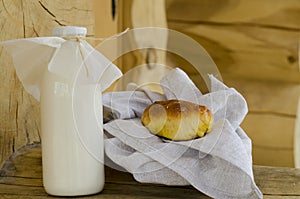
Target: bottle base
point(74, 192)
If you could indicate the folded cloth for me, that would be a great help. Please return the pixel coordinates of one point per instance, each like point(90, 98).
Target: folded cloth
point(219, 164)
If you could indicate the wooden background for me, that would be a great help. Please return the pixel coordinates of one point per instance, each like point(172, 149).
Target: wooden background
point(255, 46)
point(254, 43)
point(19, 112)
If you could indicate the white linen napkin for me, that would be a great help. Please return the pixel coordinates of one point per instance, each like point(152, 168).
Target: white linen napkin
point(219, 164)
point(31, 56)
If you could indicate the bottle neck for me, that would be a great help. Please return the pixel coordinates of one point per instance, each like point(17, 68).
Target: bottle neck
point(69, 31)
point(76, 38)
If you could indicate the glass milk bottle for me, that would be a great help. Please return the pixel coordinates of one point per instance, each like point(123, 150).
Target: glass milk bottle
point(72, 140)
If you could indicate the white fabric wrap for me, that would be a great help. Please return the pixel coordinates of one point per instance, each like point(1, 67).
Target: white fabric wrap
point(219, 164)
point(31, 56)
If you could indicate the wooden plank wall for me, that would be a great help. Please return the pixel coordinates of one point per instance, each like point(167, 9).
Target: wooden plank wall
point(255, 45)
point(138, 14)
point(135, 14)
point(19, 112)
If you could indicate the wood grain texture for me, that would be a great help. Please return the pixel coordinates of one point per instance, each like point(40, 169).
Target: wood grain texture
point(271, 120)
point(139, 14)
point(255, 45)
point(279, 14)
point(18, 179)
point(297, 137)
point(238, 52)
point(263, 97)
point(19, 112)
point(106, 24)
point(272, 138)
point(256, 40)
point(266, 156)
point(150, 14)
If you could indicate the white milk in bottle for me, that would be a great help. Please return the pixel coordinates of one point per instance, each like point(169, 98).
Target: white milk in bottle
point(72, 138)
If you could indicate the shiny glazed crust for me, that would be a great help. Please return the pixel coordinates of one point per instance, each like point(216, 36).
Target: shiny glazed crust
point(177, 119)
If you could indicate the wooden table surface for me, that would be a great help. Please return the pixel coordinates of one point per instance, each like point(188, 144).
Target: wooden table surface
point(21, 177)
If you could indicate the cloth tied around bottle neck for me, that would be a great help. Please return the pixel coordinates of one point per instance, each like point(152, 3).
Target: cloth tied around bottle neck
point(31, 56)
point(218, 164)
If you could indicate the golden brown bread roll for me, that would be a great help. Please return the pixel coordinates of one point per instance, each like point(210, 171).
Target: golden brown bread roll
point(177, 119)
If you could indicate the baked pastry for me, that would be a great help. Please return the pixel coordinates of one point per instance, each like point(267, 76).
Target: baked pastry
point(177, 119)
